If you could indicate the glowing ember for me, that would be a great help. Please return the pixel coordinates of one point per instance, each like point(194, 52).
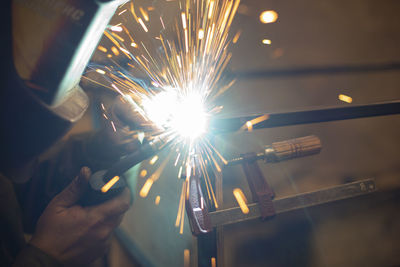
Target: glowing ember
point(102, 49)
point(100, 71)
point(146, 188)
point(157, 200)
point(266, 41)
point(143, 173)
point(345, 98)
point(153, 160)
point(110, 183)
point(268, 16)
point(213, 262)
point(186, 258)
point(241, 199)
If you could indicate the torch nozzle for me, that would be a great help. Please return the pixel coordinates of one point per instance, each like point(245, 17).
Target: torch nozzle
point(146, 151)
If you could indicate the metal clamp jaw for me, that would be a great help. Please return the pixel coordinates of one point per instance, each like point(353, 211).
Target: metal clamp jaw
point(195, 204)
point(260, 190)
point(277, 152)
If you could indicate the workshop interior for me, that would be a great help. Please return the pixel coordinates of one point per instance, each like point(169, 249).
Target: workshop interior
point(249, 132)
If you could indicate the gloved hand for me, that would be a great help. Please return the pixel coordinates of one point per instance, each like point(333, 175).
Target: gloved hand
point(123, 124)
point(123, 131)
point(74, 234)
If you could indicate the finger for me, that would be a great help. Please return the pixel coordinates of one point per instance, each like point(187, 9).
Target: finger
point(133, 146)
point(71, 194)
point(114, 221)
point(113, 207)
point(125, 110)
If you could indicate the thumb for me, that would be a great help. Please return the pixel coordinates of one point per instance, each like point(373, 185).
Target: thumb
point(71, 194)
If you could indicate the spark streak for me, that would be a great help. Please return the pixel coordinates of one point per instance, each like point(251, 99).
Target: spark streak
point(241, 199)
point(345, 98)
point(181, 61)
point(110, 183)
point(146, 188)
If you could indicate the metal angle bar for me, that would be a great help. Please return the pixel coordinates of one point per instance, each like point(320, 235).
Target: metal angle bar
point(225, 125)
point(300, 201)
point(315, 70)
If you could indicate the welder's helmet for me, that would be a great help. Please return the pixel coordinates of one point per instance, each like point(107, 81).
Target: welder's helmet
point(46, 46)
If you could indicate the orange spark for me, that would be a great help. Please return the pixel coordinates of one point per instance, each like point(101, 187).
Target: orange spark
point(241, 200)
point(249, 126)
point(186, 258)
point(143, 173)
point(143, 25)
point(236, 37)
point(201, 34)
point(157, 200)
point(109, 184)
point(153, 160)
point(213, 262)
point(268, 16)
point(345, 98)
point(100, 71)
point(146, 188)
point(102, 49)
point(115, 50)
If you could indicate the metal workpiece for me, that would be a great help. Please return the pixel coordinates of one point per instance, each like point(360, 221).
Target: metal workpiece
point(285, 150)
point(306, 116)
point(300, 201)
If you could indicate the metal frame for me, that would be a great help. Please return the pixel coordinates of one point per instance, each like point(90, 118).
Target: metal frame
point(220, 126)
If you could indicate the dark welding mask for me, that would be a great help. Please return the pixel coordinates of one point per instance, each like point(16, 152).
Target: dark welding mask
point(46, 45)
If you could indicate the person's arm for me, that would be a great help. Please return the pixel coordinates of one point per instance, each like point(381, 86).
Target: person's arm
point(68, 233)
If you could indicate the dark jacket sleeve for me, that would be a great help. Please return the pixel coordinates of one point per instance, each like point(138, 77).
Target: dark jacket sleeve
point(58, 168)
point(13, 250)
point(54, 171)
point(34, 257)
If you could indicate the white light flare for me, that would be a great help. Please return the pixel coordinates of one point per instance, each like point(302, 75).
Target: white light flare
point(181, 113)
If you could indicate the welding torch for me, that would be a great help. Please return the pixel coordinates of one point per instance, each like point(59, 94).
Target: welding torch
point(105, 184)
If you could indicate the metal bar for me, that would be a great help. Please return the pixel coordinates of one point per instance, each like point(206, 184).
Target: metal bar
point(194, 254)
point(300, 201)
point(307, 116)
point(220, 229)
point(318, 70)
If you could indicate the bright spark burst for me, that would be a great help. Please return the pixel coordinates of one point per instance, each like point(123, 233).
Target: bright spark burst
point(183, 114)
point(180, 62)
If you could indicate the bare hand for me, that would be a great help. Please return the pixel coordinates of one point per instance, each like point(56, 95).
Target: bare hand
point(74, 234)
